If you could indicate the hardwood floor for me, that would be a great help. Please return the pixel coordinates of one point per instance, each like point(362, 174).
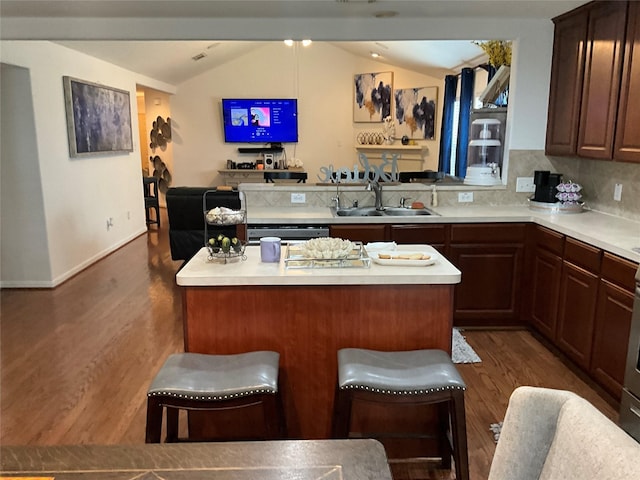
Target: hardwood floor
point(76, 361)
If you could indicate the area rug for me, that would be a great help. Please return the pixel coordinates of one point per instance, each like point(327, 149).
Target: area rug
point(461, 351)
point(496, 428)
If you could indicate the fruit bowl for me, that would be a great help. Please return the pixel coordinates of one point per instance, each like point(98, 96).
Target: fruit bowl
point(225, 250)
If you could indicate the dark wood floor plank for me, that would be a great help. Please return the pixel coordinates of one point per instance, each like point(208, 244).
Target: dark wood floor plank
point(76, 360)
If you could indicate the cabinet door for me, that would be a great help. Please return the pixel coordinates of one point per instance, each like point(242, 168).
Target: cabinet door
point(545, 291)
point(612, 326)
point(627, 144)
point(434, 235)
point(489, 294)
point(576, 313)
point(567, 71)
point(360, 233)
point(601, 87)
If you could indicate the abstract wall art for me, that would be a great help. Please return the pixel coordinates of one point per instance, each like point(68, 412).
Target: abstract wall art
point(415, 110)
point(98, 118)
point(372, 99)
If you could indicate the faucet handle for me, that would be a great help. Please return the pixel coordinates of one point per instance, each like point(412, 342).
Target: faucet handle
point(403, 201)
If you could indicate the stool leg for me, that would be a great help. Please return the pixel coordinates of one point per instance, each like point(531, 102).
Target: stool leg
point(271, 417)
point(459, 427)
point(172, 424)
point(445, 449)
point(154, 420)
point(341, 413)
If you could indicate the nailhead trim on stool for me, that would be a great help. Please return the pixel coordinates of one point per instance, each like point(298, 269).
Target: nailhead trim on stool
point(194, 381)
point(409, 378)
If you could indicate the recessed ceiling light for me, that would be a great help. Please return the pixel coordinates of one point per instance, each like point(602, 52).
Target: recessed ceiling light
point(288, 42)
point(375, 54)
point(385, 14)
point(306, 42)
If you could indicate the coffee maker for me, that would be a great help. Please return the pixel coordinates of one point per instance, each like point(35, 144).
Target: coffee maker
point(546, 183)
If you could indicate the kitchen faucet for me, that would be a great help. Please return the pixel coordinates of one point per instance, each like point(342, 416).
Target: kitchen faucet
point(337, 197)
point(377, 190)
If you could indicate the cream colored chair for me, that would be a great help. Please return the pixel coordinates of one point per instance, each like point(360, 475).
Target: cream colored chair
point(555, 434)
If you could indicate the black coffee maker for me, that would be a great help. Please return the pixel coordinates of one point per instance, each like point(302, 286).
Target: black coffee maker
point(546, 183)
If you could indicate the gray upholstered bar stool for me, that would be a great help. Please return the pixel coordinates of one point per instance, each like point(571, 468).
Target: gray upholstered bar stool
point(194, 381)
point(417, 377)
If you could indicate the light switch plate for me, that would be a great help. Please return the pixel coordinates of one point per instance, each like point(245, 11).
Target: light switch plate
point(298, 198)
point(525, 184)
point(617, 192)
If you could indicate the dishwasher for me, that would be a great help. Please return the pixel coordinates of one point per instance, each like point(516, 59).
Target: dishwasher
point(285, 232)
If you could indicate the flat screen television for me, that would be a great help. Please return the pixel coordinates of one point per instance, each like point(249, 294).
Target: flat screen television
point(260, 120)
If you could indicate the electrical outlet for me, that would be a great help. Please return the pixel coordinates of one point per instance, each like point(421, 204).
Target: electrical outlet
point(525, 184)
point(109, 223)
point(465, 197)
point(298, 198)
point(617, 192)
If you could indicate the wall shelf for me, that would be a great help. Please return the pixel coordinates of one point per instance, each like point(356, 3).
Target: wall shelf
point(406, 153)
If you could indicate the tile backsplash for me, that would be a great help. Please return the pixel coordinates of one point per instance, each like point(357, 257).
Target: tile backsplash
point(598, 179)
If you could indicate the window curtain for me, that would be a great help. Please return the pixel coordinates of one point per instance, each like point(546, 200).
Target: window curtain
point(466, 104)
point(446, 131)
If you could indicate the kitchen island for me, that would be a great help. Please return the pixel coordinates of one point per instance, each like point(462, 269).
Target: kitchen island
point(307, 315)
point(304, 460)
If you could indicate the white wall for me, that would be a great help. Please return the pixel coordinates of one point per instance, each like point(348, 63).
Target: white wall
point(78, 194)
point(320, 76)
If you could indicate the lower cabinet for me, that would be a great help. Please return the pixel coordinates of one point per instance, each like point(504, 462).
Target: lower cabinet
point(613, 323)
point(576, 314)
point(434, 235)
point(360, 232)
point(491, 259)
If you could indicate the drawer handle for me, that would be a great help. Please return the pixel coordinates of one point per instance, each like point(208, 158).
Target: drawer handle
point(635, 411)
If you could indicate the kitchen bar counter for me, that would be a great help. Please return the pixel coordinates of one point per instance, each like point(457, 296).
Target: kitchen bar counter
point(608, 232)
point(200, 272)
point(278, 460)
point(308, 315)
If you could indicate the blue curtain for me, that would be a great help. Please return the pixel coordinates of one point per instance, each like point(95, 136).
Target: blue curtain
point(446, 132)
point(466, 104)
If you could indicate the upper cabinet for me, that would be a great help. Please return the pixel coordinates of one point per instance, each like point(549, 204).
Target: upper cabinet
point(627, 141)
point(593, 76)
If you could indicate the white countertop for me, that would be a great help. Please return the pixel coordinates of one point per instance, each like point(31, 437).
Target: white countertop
point(610, 233)
point(199, 272)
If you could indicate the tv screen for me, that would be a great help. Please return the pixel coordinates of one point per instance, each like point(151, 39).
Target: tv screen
point(253, 120)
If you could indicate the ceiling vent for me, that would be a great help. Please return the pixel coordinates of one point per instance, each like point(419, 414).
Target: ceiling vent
point(199, 56)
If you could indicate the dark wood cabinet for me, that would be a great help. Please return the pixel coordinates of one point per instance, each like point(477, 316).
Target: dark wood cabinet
point(627, 140)
point(595, 80)
point(565, 93)
point(543, 281)
point(601, 85)
point(577, 303)
point(491, 258)
point(360, 232)
point(613, 323)
point(434, 235)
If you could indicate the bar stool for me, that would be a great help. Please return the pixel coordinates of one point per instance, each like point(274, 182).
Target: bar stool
point(417, 377)
point(194, 381)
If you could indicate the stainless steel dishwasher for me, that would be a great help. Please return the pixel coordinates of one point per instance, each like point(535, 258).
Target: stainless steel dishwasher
point(285, 232)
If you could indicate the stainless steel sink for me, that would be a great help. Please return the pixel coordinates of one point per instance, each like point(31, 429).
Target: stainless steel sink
point(385, 212)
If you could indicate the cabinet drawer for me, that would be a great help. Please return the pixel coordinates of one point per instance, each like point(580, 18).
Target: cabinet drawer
point(583, 255)
point(488, 233)
point(419, 234)
point(549, 240)
point(619, 271)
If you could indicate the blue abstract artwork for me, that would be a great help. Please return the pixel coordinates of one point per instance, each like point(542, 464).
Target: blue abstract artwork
point(372, 100)
point(415, 114)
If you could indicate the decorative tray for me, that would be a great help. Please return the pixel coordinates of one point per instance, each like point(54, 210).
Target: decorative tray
point(557, 207)
point(296, 258)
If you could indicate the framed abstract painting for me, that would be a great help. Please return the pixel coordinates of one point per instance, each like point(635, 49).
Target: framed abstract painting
point(372, 96)
point(98, 118)
point(415, 112)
